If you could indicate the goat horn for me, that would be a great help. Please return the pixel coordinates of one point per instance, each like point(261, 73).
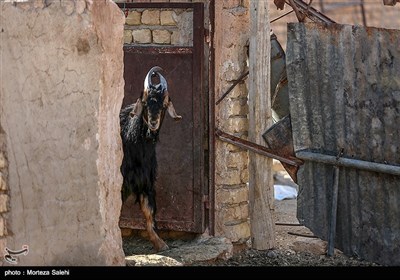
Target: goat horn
point(164, 85)
point(147, 80)
point(163, 82)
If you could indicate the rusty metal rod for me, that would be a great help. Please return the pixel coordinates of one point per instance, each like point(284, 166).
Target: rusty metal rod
point(332, 224)
point(255, 148)
point(364, 17)
point(347, 162)
point(241, 78)
point(281, 16)
point(310, 12)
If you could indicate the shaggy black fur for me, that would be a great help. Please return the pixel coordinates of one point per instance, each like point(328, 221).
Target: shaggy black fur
point(139, 164)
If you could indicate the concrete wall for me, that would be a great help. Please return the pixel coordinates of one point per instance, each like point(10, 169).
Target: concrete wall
point(61, 92)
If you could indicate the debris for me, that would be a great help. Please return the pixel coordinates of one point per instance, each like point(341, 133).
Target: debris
point(282, 192)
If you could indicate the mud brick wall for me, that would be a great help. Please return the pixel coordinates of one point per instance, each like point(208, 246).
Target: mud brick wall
point(60, 151)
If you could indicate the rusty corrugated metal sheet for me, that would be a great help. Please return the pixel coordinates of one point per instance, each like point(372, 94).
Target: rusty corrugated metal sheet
point(344, 89)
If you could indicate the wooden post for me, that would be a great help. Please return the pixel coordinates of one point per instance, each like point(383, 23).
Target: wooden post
point(261, 197)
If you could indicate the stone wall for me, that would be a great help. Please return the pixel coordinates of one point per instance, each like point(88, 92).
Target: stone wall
point(159, 27)
point(231, 167)
point(61, 92)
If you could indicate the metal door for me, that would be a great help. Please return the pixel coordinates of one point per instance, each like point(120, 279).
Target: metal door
point(180, 185)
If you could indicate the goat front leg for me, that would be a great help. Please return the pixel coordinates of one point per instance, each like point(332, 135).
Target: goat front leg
point(148, 211)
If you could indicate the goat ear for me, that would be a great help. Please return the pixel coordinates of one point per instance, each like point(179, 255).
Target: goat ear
point(166, 99)
point(171, 111)
point(137, 108)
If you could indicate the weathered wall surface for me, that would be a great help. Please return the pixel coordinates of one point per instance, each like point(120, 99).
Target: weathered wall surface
point(4, 196)
point(231, 163)
point(61, 92)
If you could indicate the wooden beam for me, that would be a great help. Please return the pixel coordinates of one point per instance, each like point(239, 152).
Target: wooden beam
point(261, 195)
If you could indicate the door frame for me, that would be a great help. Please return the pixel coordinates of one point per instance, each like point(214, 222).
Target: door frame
point(205, 71)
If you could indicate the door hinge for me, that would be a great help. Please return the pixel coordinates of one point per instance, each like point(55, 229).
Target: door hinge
point(206, 201)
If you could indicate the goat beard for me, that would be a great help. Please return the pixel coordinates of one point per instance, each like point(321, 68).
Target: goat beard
point(152, 135)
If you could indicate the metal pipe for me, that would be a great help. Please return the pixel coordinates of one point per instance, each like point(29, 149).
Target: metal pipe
point(332, 225)
point(289, 225)
point(347, 162)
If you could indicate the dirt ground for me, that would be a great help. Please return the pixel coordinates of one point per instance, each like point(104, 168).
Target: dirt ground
point(292, 249)
point(295, 245)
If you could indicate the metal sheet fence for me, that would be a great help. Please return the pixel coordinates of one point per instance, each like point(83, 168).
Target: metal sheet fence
point(344, 90)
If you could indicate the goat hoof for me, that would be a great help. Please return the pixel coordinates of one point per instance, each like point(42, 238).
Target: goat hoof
point(162, 247)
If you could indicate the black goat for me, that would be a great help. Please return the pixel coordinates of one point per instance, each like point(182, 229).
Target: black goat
point(140, 125)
